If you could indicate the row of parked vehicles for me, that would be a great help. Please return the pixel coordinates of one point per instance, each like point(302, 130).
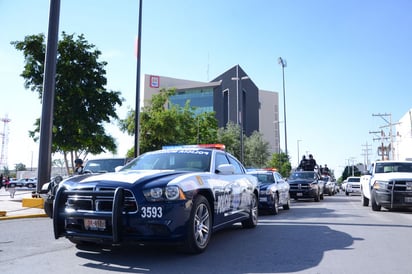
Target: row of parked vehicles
point(176, 195)
point(23, 182)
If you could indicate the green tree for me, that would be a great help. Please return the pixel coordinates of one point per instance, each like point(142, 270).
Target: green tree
point(162, 123)
point(256, 150)
point(6, 171)
point(20, 167)
point(82, 104)
point(347, 172)
point(230, 137)
point(281, 162)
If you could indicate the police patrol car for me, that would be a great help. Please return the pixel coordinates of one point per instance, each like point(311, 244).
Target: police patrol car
point(175, 195)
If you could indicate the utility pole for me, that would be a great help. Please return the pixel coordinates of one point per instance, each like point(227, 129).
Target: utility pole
point(390, 125)
point(382, 138)
point(4, 142)
point(365, 153)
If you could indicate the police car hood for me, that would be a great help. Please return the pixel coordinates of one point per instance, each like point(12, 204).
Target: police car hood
point(125, 179)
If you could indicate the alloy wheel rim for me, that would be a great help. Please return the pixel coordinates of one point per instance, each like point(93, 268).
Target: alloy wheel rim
point(202, 225)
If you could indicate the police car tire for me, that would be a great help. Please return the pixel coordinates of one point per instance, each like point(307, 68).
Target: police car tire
point(48, 209)
point(252, 221)
point(317, 197)
point(374, 204)
point(275, 209)
point(197, 241)
point(287, 205)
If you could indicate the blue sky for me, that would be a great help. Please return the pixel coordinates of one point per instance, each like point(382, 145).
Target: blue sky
point(346, 60)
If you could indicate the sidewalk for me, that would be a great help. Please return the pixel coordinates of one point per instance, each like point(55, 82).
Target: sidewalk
point(13, 208)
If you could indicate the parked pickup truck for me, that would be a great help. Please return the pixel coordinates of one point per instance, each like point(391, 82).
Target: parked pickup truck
point(387, 184)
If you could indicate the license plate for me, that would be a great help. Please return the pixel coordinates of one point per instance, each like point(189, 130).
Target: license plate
point(408, 199)
point(263, 199)
point(299, 194)
point(95, 224)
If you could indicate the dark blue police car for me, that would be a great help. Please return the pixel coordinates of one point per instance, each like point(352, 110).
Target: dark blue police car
point(178, 195)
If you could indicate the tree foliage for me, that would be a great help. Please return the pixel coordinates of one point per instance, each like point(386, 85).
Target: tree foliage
point(20, 167)
point(350, 171)
point(281, 162)
point(256, 150)
point(230, 137)
point(82, 104)
point(162, 123)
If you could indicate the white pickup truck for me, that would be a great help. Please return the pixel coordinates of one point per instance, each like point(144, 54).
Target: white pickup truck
point(387, 184)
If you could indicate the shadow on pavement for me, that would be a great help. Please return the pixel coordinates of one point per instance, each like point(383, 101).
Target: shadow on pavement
point(281, 248)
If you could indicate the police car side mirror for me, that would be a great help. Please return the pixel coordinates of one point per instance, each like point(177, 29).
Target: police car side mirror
point(225, 169)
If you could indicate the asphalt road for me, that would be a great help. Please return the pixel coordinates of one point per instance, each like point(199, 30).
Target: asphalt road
point(336, 235)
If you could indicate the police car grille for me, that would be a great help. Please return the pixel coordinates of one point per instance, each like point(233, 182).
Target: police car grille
point(299, 186)
point(400, 185)
point(98, 200)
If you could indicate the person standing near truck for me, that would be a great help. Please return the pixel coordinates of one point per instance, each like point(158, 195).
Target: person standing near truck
point(312, 163)
point(78, 166)
point(303, 163)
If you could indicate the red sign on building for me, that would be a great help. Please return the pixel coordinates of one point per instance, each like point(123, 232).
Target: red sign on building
point(154, 81)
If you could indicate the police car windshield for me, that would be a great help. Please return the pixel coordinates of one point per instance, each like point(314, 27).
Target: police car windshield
point(185, 160)
point(264, 178)
point(302, 175)
point(393, 167)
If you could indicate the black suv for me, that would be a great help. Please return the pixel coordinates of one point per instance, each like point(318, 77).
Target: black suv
point(306, 184)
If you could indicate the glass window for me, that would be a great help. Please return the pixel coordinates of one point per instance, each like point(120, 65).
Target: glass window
point(201, 99)
point(221, 159)
point(237, 165)
point(176, 160)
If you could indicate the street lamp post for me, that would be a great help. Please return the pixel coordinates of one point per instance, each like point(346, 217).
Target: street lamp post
point(282, 62)
point(137, 103)
point(298, 141)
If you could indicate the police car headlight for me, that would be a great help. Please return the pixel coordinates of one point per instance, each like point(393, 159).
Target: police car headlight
point(172, 192)
point(153, 194)
point(156, 193)
point(160, 194)
point(380, 185)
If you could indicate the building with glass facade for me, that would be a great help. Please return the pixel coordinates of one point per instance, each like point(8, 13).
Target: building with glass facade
point(233, 96)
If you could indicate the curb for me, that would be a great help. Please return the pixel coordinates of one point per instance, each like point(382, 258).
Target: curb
point(23, 216)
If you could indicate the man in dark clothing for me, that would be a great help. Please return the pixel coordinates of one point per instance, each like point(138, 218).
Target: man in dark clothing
point(78, 166)
point(326, 169)
point(312, 163)
point(303, 163)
